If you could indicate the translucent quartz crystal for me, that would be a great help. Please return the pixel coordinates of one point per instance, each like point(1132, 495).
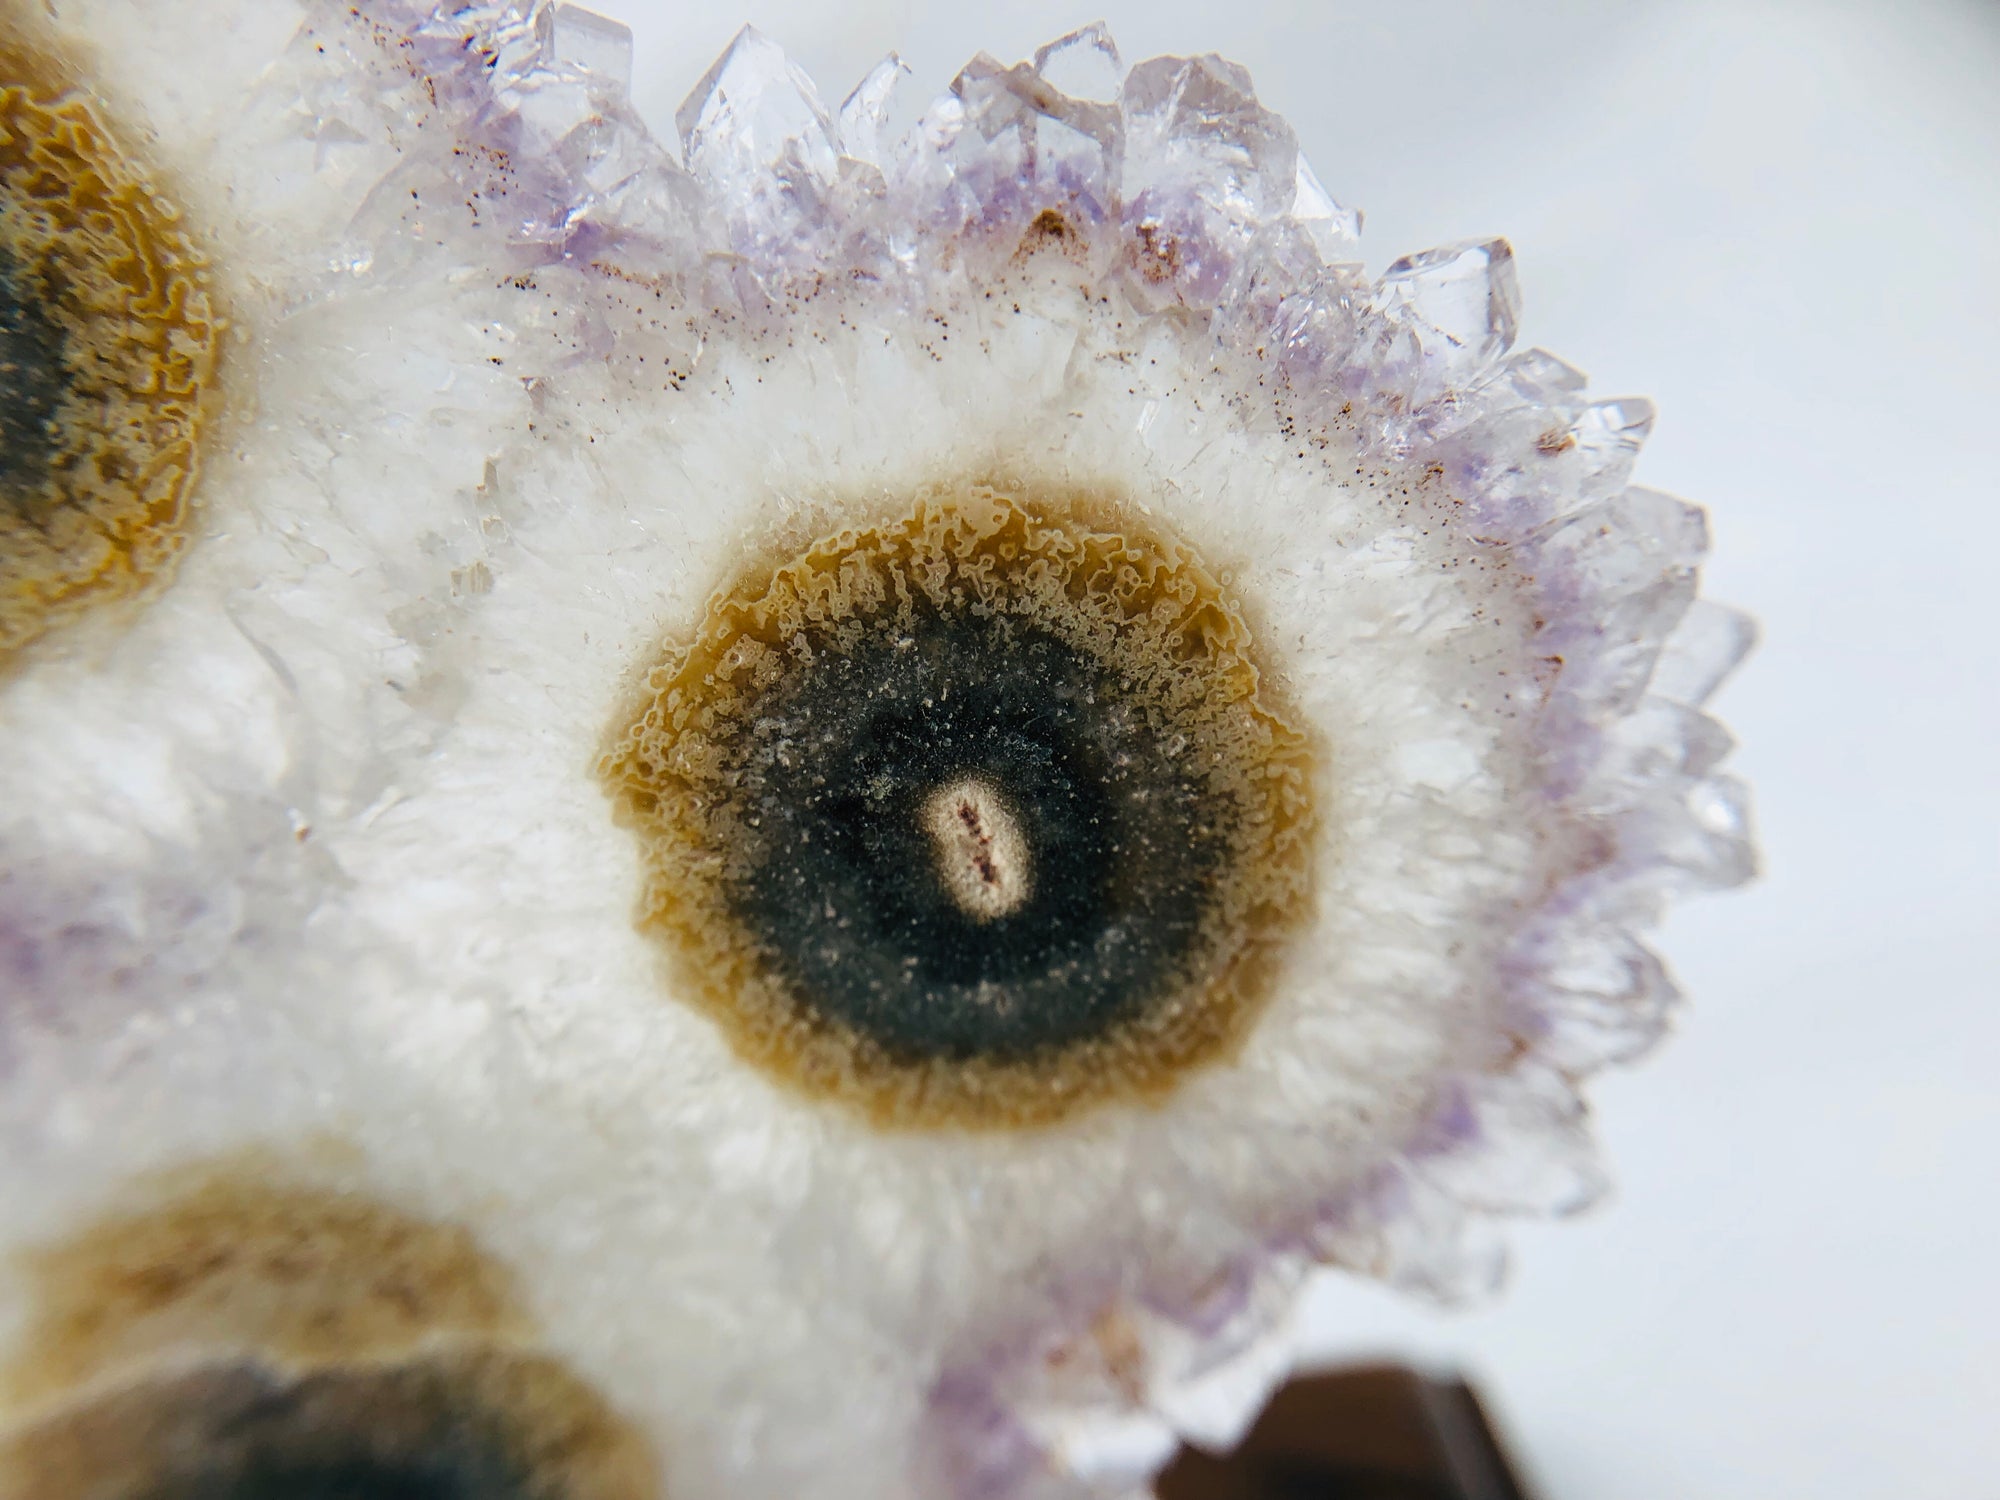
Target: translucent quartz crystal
point(1083, 65)
point(1204, 167)
point(757, 138)
point(594, 45)
point(1464, 298)
point(864, 115)
point(1335, 231)
point(1707, 644)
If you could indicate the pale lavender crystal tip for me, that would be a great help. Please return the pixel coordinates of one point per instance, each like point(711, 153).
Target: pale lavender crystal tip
point(1084, 64)
point(590, 43)
point(1465, 296)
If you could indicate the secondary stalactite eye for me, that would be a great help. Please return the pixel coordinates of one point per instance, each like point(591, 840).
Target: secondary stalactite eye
point(253, 1342)
point(978, 816)
point(108, 343)
point(457, 1426)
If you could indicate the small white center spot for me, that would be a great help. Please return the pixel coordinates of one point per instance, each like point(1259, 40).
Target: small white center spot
point(981, 856)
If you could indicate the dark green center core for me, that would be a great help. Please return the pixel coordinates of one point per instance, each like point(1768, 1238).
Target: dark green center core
point(33, 383)
point(397, 1435)
point(338, 1479)
point(838, 876)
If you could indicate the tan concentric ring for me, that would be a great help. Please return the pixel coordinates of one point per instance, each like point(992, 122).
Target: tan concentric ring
point(242, 1328)
point(1074, 567)
point(101, 261)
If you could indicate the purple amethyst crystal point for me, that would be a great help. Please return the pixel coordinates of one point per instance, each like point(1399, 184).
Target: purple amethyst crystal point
point(756, 137)
point(1205, 166)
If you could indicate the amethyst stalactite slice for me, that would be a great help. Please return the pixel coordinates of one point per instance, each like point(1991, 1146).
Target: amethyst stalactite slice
point(531, 778)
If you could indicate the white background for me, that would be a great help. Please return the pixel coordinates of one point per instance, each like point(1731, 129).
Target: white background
point(1782, 222)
